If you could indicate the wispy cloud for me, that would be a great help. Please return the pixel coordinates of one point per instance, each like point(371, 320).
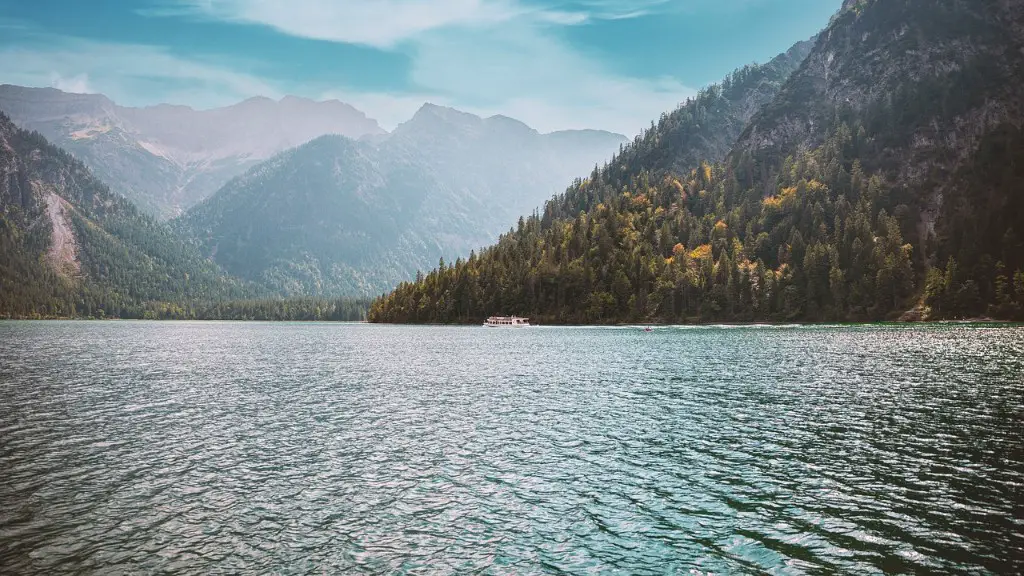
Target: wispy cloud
point(128, 73)
point(614, 9)
point(486, 56)
point(377, 23)
point(387, 23)
point(76, 84)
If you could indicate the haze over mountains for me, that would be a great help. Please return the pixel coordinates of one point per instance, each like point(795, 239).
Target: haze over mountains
point(167, 158)
point(351, 212)
point(338, 216)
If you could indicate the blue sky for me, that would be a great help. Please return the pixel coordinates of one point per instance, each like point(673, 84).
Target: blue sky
point(554, 64)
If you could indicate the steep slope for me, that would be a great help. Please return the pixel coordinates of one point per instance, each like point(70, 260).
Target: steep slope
point(933, 90)
point(338, 216)
point(491, 170)
point(703, 129)
point(70, 247)
point(318, 219)
point(929, 83)
point(167, 158)
point(896, 144)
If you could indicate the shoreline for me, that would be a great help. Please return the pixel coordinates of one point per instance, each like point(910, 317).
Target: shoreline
point(967, 321)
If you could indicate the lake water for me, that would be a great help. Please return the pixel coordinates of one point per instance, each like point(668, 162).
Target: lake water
point(131, 447)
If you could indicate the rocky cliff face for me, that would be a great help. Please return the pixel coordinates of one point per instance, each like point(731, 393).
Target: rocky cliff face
point(927, 80)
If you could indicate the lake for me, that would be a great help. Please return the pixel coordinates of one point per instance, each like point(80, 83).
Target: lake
point(191, 448)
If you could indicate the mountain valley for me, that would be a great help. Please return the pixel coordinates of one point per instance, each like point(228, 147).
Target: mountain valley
point(338, 216)
point(870, 173)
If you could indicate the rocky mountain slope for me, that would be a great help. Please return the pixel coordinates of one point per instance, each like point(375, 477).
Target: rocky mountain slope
point(338, 216)
point(933, 88)
point(885, 174)
point(167, 158)
point(70, 247)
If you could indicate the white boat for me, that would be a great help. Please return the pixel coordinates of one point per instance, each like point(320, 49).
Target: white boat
point(507, 322)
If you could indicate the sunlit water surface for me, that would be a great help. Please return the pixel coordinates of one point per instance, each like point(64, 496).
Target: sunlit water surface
point(191, 448)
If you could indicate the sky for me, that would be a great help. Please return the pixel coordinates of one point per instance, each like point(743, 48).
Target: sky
point(554, 64)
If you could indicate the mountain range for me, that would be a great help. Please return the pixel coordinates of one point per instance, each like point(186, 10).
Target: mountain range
point(167, 158)
point(871, 173)
point(350, 213)
point(338, 216)
point(312, 198)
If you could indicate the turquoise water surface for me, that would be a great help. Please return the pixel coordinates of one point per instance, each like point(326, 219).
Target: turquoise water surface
point(191, 448)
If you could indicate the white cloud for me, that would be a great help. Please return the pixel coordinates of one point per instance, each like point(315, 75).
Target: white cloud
point(130, 74)
point(76, 84)
point(387, 23)
point(378, 23)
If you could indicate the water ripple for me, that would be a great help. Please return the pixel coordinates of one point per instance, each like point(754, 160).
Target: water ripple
point(131, 447)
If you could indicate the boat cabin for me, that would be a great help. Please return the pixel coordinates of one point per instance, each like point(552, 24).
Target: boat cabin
point(506, 321)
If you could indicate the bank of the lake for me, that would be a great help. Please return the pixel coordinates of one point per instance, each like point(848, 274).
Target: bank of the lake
point(310, 309)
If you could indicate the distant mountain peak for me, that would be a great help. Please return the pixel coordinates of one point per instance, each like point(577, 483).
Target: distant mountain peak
point(507, 123)
point(15, 99)
point(448, 114)
point(299, 102)
point(256, 101)
point(434, 119)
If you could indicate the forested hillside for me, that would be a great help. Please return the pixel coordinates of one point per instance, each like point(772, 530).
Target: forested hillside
point(70, 247)
point(704, 129)
point(883, 177)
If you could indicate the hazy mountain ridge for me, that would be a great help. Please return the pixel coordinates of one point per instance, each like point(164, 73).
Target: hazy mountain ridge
point(337, 216)
point(166, 158)
point(884, 175)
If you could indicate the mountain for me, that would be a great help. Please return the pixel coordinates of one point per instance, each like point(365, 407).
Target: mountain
point(935, 87)
point(71, 247)
point(704, 129)
point(340, 216)
point(168, 158)
point(882, 176)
